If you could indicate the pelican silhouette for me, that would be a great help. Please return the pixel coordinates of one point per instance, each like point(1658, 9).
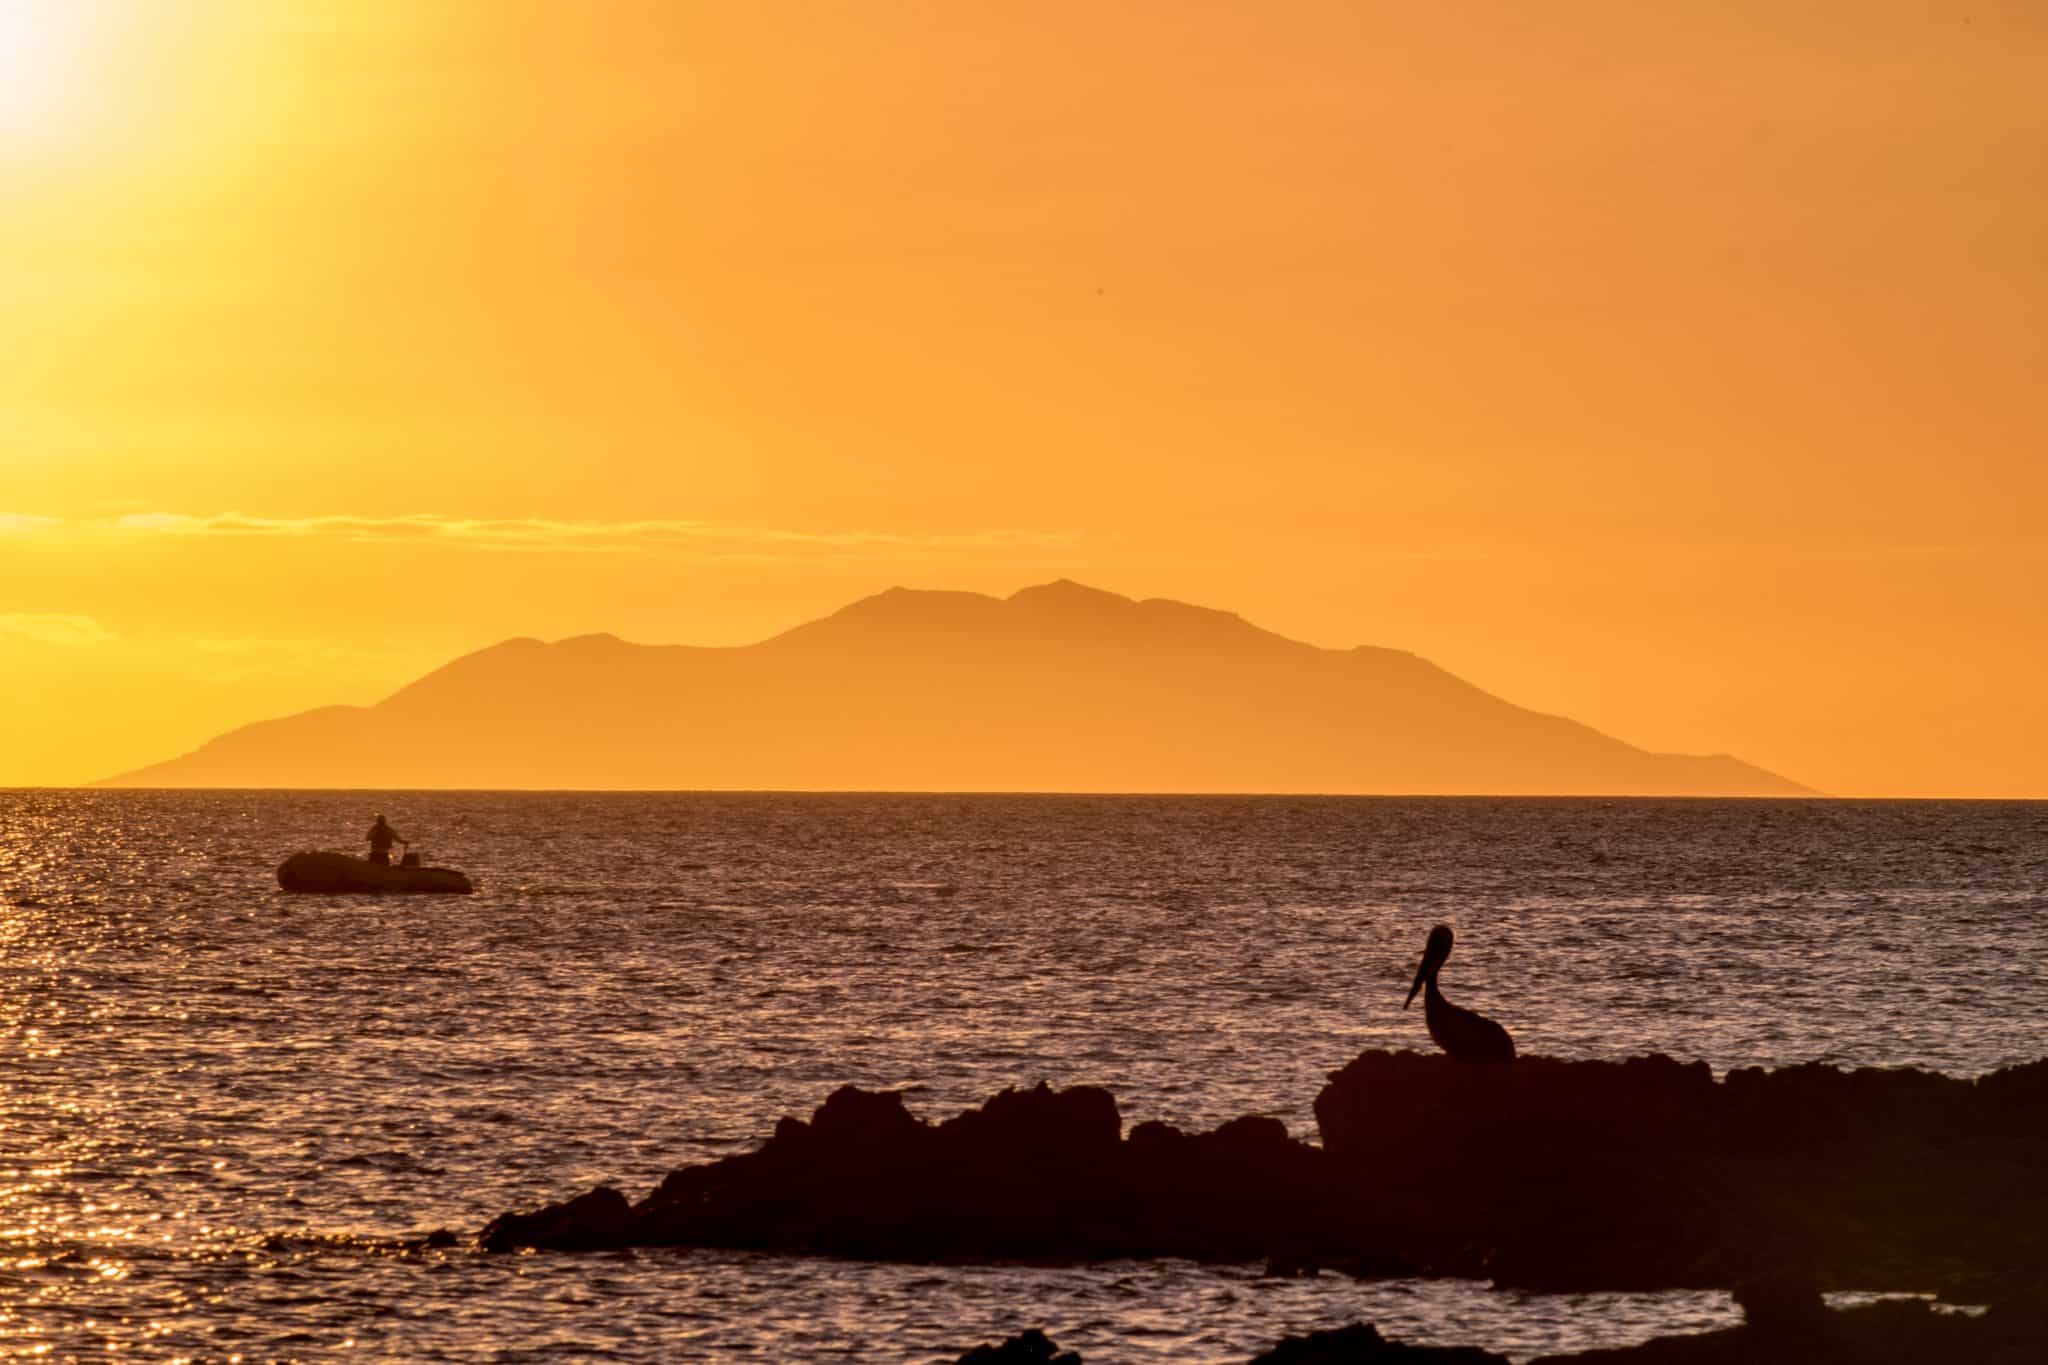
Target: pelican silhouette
point(1465, 1035)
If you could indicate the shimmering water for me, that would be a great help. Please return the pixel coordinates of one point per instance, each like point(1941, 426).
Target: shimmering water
point(217, 1101)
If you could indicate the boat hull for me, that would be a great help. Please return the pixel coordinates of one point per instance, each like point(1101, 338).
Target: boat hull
point(335, 874)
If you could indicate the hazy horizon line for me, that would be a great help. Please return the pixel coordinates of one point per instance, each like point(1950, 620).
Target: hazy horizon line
point(107, 785)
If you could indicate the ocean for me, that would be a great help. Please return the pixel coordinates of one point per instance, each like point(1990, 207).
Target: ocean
point(221, 1106)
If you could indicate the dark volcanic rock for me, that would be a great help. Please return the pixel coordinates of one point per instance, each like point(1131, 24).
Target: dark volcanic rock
point(1030, 1347)
point(1361, 1344)
point(1037, 1173)
point(1781, 1303)
point(1544, 1174)
point(1647, 1173)
point(589, 1222)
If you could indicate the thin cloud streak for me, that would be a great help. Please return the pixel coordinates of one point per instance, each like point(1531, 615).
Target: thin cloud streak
point(532, 533)
point(52, 628)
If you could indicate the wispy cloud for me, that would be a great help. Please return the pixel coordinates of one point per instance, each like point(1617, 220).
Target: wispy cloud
point(50, 628)
point(538, 534)
point(20, 524)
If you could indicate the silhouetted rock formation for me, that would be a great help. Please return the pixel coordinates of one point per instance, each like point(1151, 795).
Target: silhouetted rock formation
point(1647, 1173)
point(1545, 1174)
point(1361, 1344)
point(1037, 1173)
point(596, 1221)
point(1358, 1344)
point(1895, 1332)
point(1784, 1302)
point(1030, 1347)
point(1057, 688)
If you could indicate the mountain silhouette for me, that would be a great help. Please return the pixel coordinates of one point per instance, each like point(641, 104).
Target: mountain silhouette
point(1057, 688)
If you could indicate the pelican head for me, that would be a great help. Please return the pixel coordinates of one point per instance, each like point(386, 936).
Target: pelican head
point(1433, 956)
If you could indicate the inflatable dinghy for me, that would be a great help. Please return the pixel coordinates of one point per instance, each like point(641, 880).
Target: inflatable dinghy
point(340, 874)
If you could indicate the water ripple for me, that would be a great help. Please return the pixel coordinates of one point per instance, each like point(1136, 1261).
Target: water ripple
point(226, 1110)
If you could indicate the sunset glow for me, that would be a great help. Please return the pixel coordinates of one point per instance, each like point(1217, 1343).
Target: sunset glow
point(1672, 368)
point(1187, 682)
point(35, 60)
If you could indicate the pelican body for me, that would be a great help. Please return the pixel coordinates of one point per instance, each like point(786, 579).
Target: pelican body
point(1468, 1036)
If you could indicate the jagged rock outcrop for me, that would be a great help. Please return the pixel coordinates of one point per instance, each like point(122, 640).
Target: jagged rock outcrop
point(1361, 1344)
point(1037, 1173)
point(1029, 1347)
point(1649, 1173)
point(1544, 1174)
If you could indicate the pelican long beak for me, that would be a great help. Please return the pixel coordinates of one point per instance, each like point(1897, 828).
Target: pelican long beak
point(1421, 975)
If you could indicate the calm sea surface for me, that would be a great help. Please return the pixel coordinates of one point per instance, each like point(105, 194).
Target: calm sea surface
point(218, 1102)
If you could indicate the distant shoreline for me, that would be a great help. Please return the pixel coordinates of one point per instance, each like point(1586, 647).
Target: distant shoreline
point(1817, 798)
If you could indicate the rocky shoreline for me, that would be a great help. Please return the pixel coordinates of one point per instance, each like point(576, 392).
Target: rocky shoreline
point(1544, 1174)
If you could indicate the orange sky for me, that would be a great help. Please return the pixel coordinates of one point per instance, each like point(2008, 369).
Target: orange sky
point(1675, 367)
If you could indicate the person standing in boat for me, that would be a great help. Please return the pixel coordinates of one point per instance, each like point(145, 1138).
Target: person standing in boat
point(382, 837)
